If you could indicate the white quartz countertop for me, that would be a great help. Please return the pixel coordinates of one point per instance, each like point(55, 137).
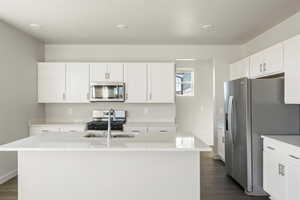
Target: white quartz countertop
point(289, 139)
point(77, 142)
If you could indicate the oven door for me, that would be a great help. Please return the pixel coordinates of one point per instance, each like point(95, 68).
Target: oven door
point(107, 92)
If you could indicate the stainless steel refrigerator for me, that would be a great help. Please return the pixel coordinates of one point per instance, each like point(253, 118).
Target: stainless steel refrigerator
point(253, 108)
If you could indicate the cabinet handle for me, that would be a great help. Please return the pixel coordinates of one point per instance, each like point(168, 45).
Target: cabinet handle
point(45, 131)
point(135, 131)
point(163, 131)
point(64, 96)
point(265, 69)
point(294, 157)
point(88, 96)
point(271, 148)
point(260, 67)
point(150, 96)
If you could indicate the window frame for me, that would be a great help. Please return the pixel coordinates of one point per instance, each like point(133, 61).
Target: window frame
point(191, 82)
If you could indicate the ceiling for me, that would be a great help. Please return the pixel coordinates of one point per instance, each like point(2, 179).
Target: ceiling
point(148, 21)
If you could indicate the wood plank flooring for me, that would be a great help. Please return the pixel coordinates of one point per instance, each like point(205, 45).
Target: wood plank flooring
point(215, 185)
point(8, 190)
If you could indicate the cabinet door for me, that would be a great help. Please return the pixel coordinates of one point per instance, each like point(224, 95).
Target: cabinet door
point(40, 130)
point(135, 75)
point(293, 177)
point(51, 82)
point(256, 65)
point(292, 70)
point(161, 82)
point(161, 130)
point(115, 72)
point(240, 69)
point(136, 130)
point(274, 172)
point(98, 72)
point(73, 128)
point(77, 83)
point(273, 60)
point(221, 143)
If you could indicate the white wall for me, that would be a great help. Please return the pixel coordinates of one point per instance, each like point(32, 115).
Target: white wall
point(136, 112)
point(195, 113)
point(285, 30)
point(18, 56)
point(221, 55)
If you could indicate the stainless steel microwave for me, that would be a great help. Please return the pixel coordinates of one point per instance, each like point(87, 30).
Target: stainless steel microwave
point(107, 91)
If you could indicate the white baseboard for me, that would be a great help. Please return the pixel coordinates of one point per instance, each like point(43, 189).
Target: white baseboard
point(8, 176)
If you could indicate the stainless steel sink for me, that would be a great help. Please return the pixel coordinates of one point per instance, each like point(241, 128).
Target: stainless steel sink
point(97, 135)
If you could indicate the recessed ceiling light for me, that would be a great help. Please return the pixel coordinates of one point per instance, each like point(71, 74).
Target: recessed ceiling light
point(35, 26)
point(121, 26)
point(185, 59)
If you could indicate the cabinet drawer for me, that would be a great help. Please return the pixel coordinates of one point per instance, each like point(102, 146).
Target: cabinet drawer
point(43, 130)
point(73, 128)
point(162, 130)
point(135, 130)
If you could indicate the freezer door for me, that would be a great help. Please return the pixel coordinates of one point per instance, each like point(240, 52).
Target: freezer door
point(237, 133)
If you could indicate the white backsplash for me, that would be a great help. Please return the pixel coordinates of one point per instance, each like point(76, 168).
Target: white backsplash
point(136, 112)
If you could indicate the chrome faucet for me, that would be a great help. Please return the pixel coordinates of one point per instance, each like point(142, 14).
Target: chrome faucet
point(111, 114)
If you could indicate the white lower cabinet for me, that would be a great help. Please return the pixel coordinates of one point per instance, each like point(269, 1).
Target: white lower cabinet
point(150, 130)
point(136, 130)
point(274, 171)
point(47, 128)
point(221, 143)
point(161, 130)
point(293, 177)
point(281, 170)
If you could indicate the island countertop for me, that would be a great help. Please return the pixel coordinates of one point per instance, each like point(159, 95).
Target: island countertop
point(77, 142)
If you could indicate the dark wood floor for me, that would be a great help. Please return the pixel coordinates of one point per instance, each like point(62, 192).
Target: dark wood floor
point(8, 191)
point(215, 185)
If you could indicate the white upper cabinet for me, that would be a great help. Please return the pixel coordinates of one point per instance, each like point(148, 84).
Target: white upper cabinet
point(292, 70)
point(267, 62)
point(273, 59)
point(51, 82)
point(107, 72)
point(77, 82)
point(256, 65)
point(69, 82)
point(116, 72)
point(135, 75)
point(161, 82)
point(240, 69)
point(98, 72)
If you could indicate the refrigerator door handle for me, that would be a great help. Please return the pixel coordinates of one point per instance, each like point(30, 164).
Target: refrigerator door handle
point(230, 112)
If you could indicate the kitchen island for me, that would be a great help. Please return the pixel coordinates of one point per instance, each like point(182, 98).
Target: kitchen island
point(73, 167)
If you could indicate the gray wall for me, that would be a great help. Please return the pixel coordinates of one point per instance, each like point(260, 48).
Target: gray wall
point(18, 56)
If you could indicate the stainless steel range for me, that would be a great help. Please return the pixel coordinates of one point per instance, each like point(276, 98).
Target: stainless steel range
point(100, 120)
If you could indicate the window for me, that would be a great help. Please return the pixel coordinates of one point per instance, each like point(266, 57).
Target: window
point(184, 82)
